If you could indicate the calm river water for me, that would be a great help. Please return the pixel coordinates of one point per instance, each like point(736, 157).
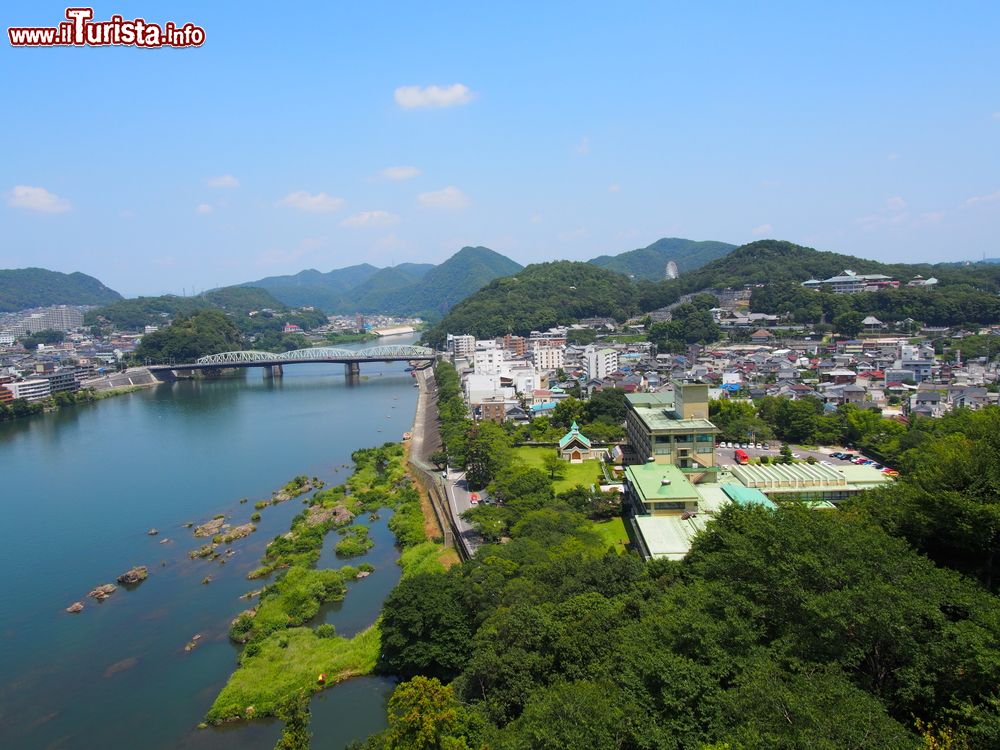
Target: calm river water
point(78, 491)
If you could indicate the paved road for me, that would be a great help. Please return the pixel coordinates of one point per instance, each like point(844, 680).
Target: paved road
point(426, 440)
point(459, 501)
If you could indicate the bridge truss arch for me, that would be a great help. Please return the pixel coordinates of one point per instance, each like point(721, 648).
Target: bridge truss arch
point(237, 358)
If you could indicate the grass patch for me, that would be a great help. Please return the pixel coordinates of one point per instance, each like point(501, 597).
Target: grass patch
point(267, 678)
point(293, 600)
point(355, 542)
point(613, 534)
point(586, 473)
point(427, 557)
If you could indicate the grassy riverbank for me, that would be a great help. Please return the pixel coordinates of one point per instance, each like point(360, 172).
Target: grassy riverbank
point(284, 655)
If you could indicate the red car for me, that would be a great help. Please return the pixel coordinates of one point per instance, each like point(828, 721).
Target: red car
point(474, 498)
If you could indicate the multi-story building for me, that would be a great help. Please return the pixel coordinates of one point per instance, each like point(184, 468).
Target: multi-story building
point(599, 363)
point(671, 429)
point(58, 318)
point(30, 390)
point(461, 345)
point(548, 358)
point(850, 282)
point(62, 379)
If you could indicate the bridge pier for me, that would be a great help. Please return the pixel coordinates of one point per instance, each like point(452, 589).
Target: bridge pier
point(352, 370)
point(273, 371)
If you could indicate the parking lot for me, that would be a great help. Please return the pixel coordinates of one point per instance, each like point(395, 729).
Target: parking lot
point(726, 456)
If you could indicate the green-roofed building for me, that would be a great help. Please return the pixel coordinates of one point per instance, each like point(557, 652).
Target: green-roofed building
point(657, 489)
point(747, 496)
point(575, 447)
point(672, 429)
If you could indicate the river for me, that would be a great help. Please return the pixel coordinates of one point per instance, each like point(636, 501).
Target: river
point(78, 491)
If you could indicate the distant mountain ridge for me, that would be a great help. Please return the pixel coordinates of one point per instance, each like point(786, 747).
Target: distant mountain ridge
point(406, 289)
point(23, 288)
point(650, 262)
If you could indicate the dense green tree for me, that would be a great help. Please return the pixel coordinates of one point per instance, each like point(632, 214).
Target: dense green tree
point(426, 629)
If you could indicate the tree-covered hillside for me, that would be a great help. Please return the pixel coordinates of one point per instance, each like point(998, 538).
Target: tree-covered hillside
point(134, 314)
point(875, 625)
point(189, 337)
point(312, 287)
point(445, 285)
point(540, 296)
point(650, 262)
point(406, 289)
point(22, 288)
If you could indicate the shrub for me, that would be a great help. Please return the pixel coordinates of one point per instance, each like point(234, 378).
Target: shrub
point(326, 630)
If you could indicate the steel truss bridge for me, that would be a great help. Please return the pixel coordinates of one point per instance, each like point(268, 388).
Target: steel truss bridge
point(322, 354)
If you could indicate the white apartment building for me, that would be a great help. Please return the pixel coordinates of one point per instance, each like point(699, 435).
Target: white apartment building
point(599, 363)
point(30, 390)
point(548, 358)
point(488, 361)
point(461, 345)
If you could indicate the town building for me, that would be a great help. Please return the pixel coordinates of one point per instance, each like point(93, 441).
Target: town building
point(548, 358)
point(599, 363)
point(461, 345)
point(850, 282)
point(576, 448)
point(666, 428)
point(30, 390)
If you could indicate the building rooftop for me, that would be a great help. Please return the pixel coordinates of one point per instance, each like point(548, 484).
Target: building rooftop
point(747, 496)
point(669, 536)
point(660, 482)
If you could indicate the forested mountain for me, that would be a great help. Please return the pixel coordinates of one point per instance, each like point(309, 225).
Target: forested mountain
point(22, 288)
point(406, 289)
point(134, 314)
point(312, 287)
point(442, 287)
point(650, 262)
point(538, 297)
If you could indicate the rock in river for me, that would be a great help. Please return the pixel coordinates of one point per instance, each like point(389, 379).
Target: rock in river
point(152, 532)
point(211, 528)
point(103, 591)
point(135, 575)
point(75, 607)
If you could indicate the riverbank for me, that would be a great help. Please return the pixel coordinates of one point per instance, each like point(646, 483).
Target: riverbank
point(279, 661)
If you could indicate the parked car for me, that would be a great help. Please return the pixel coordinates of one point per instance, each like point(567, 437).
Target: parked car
point(890, 472)
point(474, 498)
point(878, 466)
point(767, 446)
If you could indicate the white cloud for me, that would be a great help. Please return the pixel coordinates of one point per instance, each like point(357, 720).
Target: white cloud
point(223, 181)
point(320, 203)
point(614, 188)
point(203, 208)
point(448, 198)
point(583, 147)
point(417, 97)
point(895, 203)
point(978, 200)
point(761, 229)
point(370, 219)
point(397, 174)
point(37, 199)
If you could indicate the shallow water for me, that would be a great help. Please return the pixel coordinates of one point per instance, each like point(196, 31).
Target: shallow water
point(78, 491)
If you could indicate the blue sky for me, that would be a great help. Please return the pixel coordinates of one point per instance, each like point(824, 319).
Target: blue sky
point(557, 130)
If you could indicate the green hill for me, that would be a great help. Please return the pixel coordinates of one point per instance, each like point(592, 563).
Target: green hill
point(774, 261)
point(650, 262)
point(134, 314)
point(312, 287)
point(22, 288)
point(444, 286)
point(538, 297)
point(406, 289)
